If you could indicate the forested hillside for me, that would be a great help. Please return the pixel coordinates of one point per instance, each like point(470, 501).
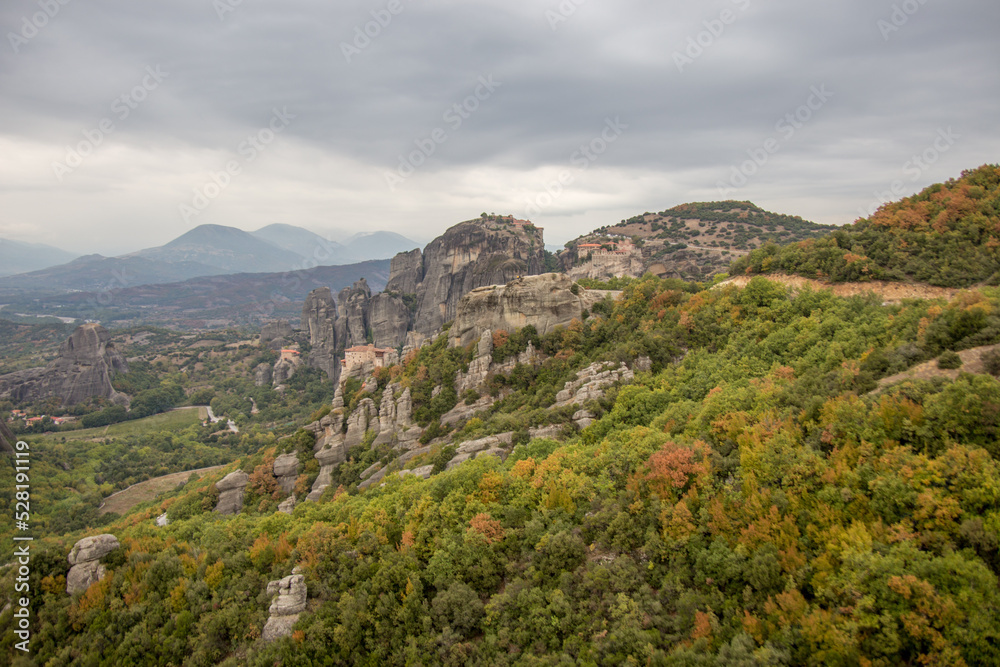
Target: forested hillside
point(747, 501)
point(947, 235)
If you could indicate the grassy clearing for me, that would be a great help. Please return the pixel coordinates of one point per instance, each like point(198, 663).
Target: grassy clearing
point(142, 492)
point(174, 420)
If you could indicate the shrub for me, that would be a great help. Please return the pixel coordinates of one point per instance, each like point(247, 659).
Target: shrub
point(949, 359)
point(991, 362)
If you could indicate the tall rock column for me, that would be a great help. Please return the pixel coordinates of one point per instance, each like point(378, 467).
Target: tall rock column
point(319, 317)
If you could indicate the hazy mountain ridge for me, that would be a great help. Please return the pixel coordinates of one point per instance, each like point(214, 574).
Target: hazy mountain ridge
point(19, 257)
point(206, 250)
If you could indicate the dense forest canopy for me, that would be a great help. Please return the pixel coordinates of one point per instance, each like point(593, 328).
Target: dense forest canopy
point(755, 498)
point(946, 235)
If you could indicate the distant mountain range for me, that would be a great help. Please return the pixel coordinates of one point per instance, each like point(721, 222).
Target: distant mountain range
point(203, 302)
point(17, 257)
point(206, 250)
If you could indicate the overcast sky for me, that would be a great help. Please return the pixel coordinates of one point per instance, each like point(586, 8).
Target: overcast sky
point(121, 119)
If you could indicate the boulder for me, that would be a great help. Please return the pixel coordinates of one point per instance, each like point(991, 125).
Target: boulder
point(422, 472)
point(287, 505)
point(286, 470)
point(84, 559)
point(230, 490)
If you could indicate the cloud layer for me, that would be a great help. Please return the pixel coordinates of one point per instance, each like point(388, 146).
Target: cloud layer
point(411, 116)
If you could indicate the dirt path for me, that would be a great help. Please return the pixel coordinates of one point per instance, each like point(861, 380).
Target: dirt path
point(891, 292)
point(122, 501)
point(972, 362)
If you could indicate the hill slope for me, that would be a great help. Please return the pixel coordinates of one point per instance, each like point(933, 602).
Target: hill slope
point(228, 249)
point(947, 235)
point(17, 257)
point(691, 241)
point(302, 242)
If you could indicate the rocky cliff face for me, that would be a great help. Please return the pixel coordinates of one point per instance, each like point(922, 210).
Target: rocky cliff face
point(423, 292)
point(406, 272)
point(545, 302)
point(389, 318)
point(470, 255)
point(352, 326)
point(86, 363)
point(319, 317)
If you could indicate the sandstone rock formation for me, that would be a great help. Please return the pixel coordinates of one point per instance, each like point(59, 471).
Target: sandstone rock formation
point(273, 334)
point(230, 490)
point(406, 272)
point(492, 445)
point(263, 374)
point(352, 324)
point(86, 363)
point(289, 601)
point(363, 419)
point(329, 448)
point(319, 317)
point(287, 505)
point(284, 368)
point(389, 319)
point(395, 417)
point(286, 471)
point(84, 559)
point(545, 302)
point(591, 382)
point(469, 255)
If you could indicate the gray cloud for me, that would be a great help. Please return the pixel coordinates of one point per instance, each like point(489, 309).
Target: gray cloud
point(355, 115)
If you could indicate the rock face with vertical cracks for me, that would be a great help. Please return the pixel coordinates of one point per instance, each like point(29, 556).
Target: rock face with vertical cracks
point(86, 364)
point(389, 320)
point(319, 317)
point(469, 255)
point(352, 325)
